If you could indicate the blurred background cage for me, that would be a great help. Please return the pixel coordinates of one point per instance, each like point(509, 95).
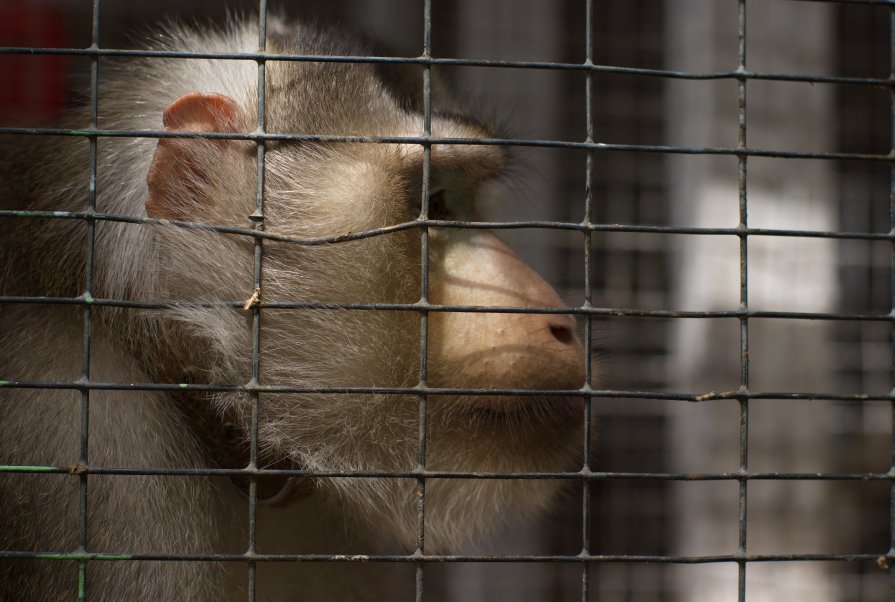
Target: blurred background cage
point(742, 269)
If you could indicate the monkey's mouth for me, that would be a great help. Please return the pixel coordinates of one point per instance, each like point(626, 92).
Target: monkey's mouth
point(506, 433)
point(514, 411)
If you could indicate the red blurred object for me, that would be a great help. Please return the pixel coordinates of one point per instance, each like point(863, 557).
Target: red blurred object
point(33, 88)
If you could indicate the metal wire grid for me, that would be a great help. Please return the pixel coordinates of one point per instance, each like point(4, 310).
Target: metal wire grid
point(83, 556)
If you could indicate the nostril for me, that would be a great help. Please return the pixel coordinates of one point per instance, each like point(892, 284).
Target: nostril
point(561, 333)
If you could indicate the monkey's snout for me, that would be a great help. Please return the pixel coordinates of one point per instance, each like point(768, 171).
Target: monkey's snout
point(530, 349)
point(559, 329)
point(506, 351)
point(562, 333)
point(551, 358)
point(552, 336)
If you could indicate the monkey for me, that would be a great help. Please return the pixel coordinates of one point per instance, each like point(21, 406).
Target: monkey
point(337, 326)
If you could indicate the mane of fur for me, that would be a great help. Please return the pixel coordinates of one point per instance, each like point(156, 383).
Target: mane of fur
point(311, 190)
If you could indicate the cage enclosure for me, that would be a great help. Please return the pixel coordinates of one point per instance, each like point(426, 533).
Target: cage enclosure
point(707, 185)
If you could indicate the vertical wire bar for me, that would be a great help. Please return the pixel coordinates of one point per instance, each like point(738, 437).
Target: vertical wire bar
point(257, 219)
point(87, 307)
point(588, 296)
point(892, 284)
point(744, 299)
point(424, 301)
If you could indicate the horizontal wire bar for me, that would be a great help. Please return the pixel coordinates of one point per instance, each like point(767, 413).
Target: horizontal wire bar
point(446, 391)
point(606, 312)
point(452, 224)
point(883, 557)
point(453, 62)
point(425, 140)
point(78, 469)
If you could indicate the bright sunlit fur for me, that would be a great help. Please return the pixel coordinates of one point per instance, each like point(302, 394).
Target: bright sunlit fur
point(311, 190)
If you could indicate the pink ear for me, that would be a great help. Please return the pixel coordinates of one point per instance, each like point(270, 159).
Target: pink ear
point(178, 180)
point(197, 112)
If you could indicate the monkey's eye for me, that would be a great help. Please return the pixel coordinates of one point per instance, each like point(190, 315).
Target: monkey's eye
point(438, 204)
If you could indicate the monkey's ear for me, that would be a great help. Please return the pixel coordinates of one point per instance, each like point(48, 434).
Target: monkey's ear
point(178, 177)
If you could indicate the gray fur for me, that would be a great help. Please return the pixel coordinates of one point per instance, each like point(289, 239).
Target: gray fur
point(311, 190)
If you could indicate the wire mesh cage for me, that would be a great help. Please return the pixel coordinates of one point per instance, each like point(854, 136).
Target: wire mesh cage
point(707, 184)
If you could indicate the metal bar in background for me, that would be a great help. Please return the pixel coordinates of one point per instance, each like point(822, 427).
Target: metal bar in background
point(440, 223)
point(444, 474)
point(621, 393)
point(742, 177)
point(887, 563)
point(423, 398)
point(257, 219)
point(455, 62)
point(586, 503)
point(521, 142)
point(574, 559)
point(84, 459)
